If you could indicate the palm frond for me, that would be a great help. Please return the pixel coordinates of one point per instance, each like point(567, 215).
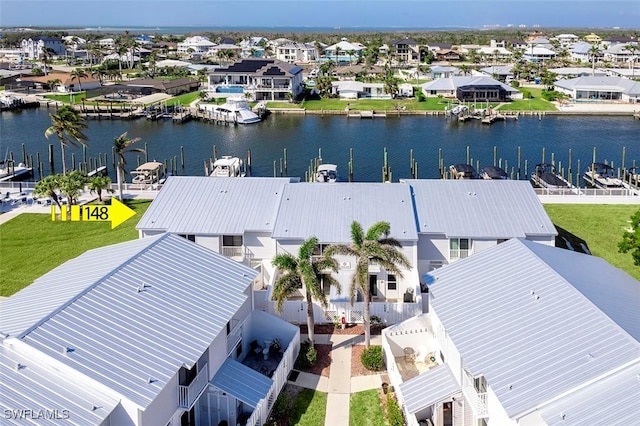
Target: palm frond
point(377, 230)
point(283, 288)
point(357, 234)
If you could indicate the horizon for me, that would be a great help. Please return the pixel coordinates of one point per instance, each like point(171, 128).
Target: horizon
point(327, 14)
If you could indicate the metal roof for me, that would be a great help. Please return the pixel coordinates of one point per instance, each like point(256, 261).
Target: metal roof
point(215, 206)
point(621, 84)
point(28, 385)
point(156, 312)
point(479, 208)
point(619, 393)
point(242, 382)
point(428, 388)
point(452, 83)
point(326, 210)
point(519, 322)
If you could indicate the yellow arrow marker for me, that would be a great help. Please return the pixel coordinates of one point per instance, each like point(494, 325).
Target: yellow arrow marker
point(116, 213)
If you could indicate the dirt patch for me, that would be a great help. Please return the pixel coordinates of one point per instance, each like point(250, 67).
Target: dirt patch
point(357, 369)
point(350, 329)
point(323, 363)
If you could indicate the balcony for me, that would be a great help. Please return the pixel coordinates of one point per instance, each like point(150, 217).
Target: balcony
point(477, 400)
point(233, 251)
point(188, 395)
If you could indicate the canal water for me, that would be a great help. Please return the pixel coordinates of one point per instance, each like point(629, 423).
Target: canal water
point(335, 136)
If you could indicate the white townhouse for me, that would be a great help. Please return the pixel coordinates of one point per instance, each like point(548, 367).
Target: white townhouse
point(619, 54)
point(457, 218)
point(600, 89)
point(156, 331)
point(538, 53)
point(581, 52)
point(521, 334)
point(294, 52)
point(199, 45)
point(107, 43)
point(567, 40)
point(263, 79)
point(32, 48)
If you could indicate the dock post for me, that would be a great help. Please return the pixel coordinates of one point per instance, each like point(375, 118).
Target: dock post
point(519, 177)
point(495, 154)
point(624, 149)
point(24, 155)
point(526, 168)
point(350, 164)
point(543, 154)
point(73, 160)
point(39, 164)
point(281, 167)
point(415, 170)
point(146, 153)
point(286, 172)
point(249, 160)
point(411, 161)
point(553, 159)
point(182, 157)
point(440, 162)
point(51, 165)
point(175, 165)
point(468, 155)
point(215, 153)
point(578, 175)
point(274, 168)
point(569, 171)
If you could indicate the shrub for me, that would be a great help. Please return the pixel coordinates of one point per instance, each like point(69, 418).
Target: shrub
point(515, 83)
point(307, 357)
point(311, 355)
point(376, 321)
point(526, 93)
point(420, 97)
point(371, 358)
point(550, 95)
point(394, 414)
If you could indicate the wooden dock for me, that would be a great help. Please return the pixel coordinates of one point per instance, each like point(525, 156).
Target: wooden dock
point(366, 114)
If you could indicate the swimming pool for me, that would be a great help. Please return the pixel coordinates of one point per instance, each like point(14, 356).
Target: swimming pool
point(229, 89)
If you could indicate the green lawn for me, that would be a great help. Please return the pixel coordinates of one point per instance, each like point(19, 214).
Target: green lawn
point(333, 104)
point(66, 98)
point(365, 409)
point(32, 245)
point(185, 99)
point(297, 406)
point(601, 226)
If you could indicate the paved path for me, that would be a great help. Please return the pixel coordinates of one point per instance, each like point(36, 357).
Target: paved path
point(339, 385)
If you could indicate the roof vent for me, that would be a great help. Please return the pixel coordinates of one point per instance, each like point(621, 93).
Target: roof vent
point(20, 366)
point(142, 287)
point(151, 380)
point(562, 416)
point(590, 356)
point(67, 350)
point(510, 387)
point(95, 407)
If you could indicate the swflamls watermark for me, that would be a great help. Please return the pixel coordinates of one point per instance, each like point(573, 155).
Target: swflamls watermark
point(36, 414)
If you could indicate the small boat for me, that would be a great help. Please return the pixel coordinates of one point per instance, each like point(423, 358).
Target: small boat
point(9, 171)
point(493, 172)
point(462, 171)
point(632, 176)
point(227, 166)
point(234, 110)
point(544, 176)
point(327, 173)
point(147, 173)
point(600, 175)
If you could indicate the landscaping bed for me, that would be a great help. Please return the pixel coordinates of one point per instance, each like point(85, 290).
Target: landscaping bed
point(357, 369)
point(323, 362)
point(350, 329)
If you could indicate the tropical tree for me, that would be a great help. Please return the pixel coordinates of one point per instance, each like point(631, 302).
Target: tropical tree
point(631, 239)
point(68, 125)
point(122, 145)
point(465, 69)
point(307, 272)
point(46, 54)
point(48, 187)
point(594, 53)
point(71, 184)
point(100, 73)
point(78, 74)
point(98, 184)
point(374, 246)
point(53, 83)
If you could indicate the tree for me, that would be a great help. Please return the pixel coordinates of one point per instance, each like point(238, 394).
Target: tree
point(594, 53)
point(68, 125)
point(48, 187)
point(71, 184)
point(122, 145)
point(631, 239)
point(78, 74)
point(98, 184)
point(100, 73)
point(374, 246)
point(304, 271)
point(53, 84)
point(46, 54)
point(465, 69)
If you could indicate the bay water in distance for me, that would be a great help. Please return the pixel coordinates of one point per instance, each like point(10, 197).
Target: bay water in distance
point(305, 137)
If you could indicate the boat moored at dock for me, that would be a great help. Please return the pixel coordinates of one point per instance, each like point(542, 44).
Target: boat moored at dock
point(147, 173)
point(544, 176)
point(601, 176)
point(327, 173)
point(493, 172)
point(234, 110)
point(462, 171)
point(227, 166)
point(9, 171)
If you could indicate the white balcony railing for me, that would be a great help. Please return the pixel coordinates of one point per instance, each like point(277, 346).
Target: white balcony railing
point(233, 340)
point(188, 395)
point(478, 401)
point(232, 251)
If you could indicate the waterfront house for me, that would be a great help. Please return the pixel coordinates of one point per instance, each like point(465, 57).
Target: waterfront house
point(600, 89)
point(521, 334)
point(406, 51)
point(580, 52)
point(196, 45)
point(592, 38)
point(448, 55)
point(67, 83)
point(262, 79)
point(351, 89)
point(157, 331)
point(471, 89)
point(457, 218)
point(567, 40)
point(343, 52)
point(295, 52)
point(572, 72)
point(443, 71)
point(31, 48)
point(171, 87)
point(438, 47)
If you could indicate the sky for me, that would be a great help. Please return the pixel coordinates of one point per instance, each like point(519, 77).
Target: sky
point(321, 13)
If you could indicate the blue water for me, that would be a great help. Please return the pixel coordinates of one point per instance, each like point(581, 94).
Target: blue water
point(230, 89)
point(304, 136)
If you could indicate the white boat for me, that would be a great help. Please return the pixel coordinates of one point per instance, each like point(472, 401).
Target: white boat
point(545, 176)
point(10, 171)
point(234, 110)
point(327, 173)
point(147, 173)
point(600, 175)
point(227, 166)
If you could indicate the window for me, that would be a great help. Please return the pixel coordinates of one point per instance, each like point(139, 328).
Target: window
point(392, 284)
point(373, 285)
point(319, 250)
point(480, 383)
point(459, 248)
point(189, 237)
point(232, 240)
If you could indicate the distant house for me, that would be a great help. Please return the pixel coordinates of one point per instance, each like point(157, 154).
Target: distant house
point(619, 54)
point(471, 89)
point(351, 89)
point(158, 331)
point(538, 54)
point(295, 52)
point(581, 52)
point(263, 79)
point(442, 71)
point(343, 52)
point(572, 72)
point(448, 55)
point(170, 87)
point(67, 84)
point(32, 48)
point(503, 73)
point(520, 334)
point(567, 40)
point(436, 47)
point(198, 45)
point(406, 51)
point(592, 38)
point(601, 88)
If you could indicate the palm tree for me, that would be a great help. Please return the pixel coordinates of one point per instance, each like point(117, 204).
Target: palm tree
point(98, 184)
point(594, 53)
point(122, 145)
point(373, 247)
point(48, 187)
point(46, 54)
point(77, 74)
point(304, 271)
point(632, 59)
point(68, 125)
point(465, 69)
point(71, 184)
point(53, 83)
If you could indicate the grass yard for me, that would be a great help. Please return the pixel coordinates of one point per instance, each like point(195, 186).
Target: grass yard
point(184, 99)
point(365, 409)
point(333, 104)
point(299, 406)
point(601, 226)
point(32, 245)
point(66, 98)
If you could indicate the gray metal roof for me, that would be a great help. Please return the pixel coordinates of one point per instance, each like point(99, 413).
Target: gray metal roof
point(452, 83)
point(520, 323)
point(51, 291)
point(149, 316)
point(36, 387)
point(242, 382)
point(619, 84)
point(619, 393)
point(479, 208)
point(326, 210)
point(204, 205)
point(428, 388)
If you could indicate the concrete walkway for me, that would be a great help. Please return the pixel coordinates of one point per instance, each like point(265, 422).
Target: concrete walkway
point(339, 385)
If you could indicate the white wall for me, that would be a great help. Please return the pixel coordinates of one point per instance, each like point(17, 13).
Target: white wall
point(209, 241)
point(260, 244)
point(479, 244)
point(118, 417)
point(162, 408)
point(149, 233)
point(548, 240)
